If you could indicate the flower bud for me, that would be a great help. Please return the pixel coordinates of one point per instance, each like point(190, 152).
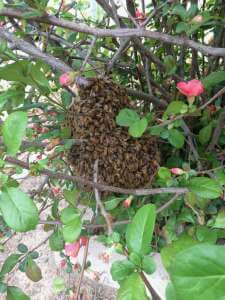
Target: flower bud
point(127, 202)
point(197, 19)
point(177, 171)
point(67, 79)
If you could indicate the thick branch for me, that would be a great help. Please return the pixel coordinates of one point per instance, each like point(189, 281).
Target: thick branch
point(123, 32)
point(99, 186)
point(61, 66)
point(36, 53)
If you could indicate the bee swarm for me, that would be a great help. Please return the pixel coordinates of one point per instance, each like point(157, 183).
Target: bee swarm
point(123, 160)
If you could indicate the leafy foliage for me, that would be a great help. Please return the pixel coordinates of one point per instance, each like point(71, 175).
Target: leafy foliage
point(186, 229)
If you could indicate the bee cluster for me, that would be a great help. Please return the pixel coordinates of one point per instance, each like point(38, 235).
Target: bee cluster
point(124, 161)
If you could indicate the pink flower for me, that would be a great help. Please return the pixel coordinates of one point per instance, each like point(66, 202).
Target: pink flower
point(191, 88)
point(177, 171)
point(73, 249)
point(67, 79)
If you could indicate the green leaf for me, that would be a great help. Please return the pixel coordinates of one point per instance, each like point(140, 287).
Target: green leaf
point(135, 259)
point(176, 138)
point(139, 232)
point(9, 264)
point(15, 293)
point(58, 285)
point(121, 269)
point(38, 76)
point(170, 64)
point(206, 235)
point(205, 187)
point(205, 134)
point(13, 130)
point(182, 27)
point(132, 288)
point(148, 264)
point(56, 241)
point(72, 224)
point(199, 273)
point(213, 79)
point(32, 270)
point(3, 287)
point(138, 128)
point(220, 220)
point(192, 10)
point(71, 196)
point(112, 203)
point(18, 210)
point(169, 252)
point(32, 14)
point(127, 117)
point(176, 107)
point(22, 248)
point(180, 11)
point(170, 292)
point(15, 72)
point(164, 173)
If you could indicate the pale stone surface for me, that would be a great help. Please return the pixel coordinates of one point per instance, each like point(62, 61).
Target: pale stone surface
point(100, 256)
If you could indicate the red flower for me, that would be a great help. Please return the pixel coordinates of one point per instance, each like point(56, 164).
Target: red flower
point(83, 241)
point(191, 88)
point(73, 249)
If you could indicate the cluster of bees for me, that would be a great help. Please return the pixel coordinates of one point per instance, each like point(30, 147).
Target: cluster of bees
point(123, 161)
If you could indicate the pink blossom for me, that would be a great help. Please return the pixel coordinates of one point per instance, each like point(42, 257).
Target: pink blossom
point(67, 79)
point(73, 249)
point(191, 88)
point(177, 171)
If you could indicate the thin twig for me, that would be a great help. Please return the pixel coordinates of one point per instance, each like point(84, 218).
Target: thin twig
point(117, 223)
point(82, 270)
point(88, 54)
point(217, 131)
point(167, 204)
point(99, 202)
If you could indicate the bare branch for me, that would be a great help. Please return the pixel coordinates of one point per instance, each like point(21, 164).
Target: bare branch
point(99, 186)
point(217, 131)
point(98, 200)
point(117, 33)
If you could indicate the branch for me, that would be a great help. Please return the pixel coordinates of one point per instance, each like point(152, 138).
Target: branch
point(99, 202)
point(61, 66)
point(36, 53)
point(217, 131)
point(99, 186)
point(123, 32)
point(82, 270)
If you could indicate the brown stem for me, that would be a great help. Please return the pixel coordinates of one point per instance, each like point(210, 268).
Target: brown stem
point(116, 33)
point(100, 186)
point(82, 270)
